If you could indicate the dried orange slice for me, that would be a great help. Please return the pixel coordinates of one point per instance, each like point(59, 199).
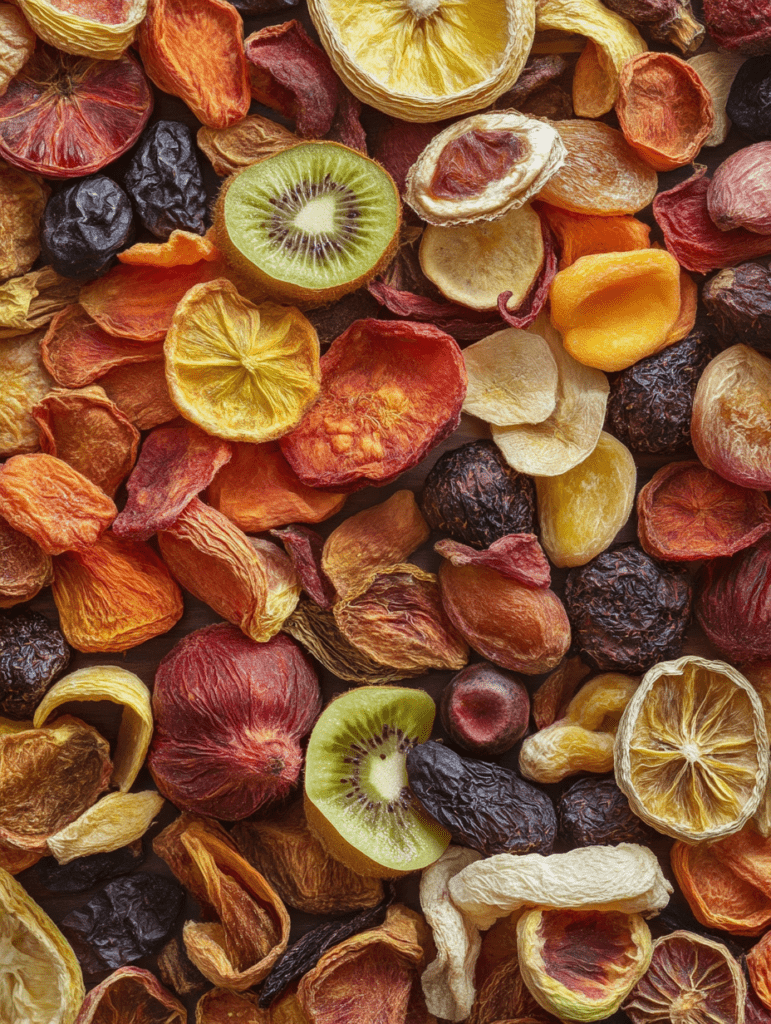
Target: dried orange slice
point(691, 750)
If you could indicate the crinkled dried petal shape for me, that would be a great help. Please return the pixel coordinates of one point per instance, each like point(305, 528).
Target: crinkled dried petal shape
point(181, 249)
point(134, 991)
point(221, 1006)
point(304, 547)
point(43, 980)
point(23, 383)
point(110, 824)
point(22, 201)
point(29, 302)
point(517, 556)
point(102, 30)
point(119, 686)
point(717, 70)
point(24, 567)
point(582, 234)
point(141, 392)
point(17, 41)
point(252, 139)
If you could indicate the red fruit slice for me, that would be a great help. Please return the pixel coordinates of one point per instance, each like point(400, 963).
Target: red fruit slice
point(65, 116)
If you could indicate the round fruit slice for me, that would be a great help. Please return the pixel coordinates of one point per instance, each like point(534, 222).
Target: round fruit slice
point(357, 798)
point(691, 750)
point(310, 223)
point(101, 30)
point(65, 117)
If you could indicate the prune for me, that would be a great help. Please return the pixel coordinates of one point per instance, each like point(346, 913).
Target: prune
point(749, 101)
point(263, 6)
point(649, 408)
point(165, 181)
point(32, 654)
point(85, 225)
point(739, 301)
point(482, 805)
point(124, 921)
point(594, 812)
point(473, 496)
point(628, 611)
point(84, 872)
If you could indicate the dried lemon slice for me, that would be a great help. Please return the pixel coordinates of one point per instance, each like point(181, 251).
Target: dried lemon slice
point(691, 750)
point(240, 371)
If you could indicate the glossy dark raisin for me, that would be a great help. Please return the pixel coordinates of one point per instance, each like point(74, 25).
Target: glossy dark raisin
point(165, 181)
point(628, 611)
point(472, 495)
point(84, 226)
point(650, 403)
point(84, 872)
point(594, 812)
point(749, 101)
point(484, 806)
point(33, 652)
point(739, 302)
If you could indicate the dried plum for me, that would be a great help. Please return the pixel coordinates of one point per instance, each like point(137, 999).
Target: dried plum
point(85, 225)
point(594, 812)
point(739, 301)
point(473, 496)
point(482, 805)
point(84, 872)
point(627, 610)
point(33, 653)
point(165, 180)
point(263, 6)
point(749, 101)
point(649, 408)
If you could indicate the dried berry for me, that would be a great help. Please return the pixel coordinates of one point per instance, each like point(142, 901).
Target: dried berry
point(733, 606)
point(485, 710)
point(483, 806)
point(594, 812)
point(627, 612)
point(737, 299)
point(164, 180)
point(32, 654)
point(749, 101)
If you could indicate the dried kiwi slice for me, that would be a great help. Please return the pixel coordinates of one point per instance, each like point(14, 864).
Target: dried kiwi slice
point(310, 223)
point(357, 799)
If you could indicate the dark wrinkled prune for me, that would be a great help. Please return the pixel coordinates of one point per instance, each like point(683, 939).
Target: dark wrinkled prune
point(84, 872)
point(484, 806)
point(739, 301)
point(263, 6)
point(628, 611)
point(594, 812)
point(165, 180)
point(650, 403)
point(473, 496)
point(306, 952)
point(85, 225)
point(124, 921)
point(33, 652)
point(749, 101)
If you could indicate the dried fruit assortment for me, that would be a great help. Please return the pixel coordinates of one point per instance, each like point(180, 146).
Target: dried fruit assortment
point(412, 396)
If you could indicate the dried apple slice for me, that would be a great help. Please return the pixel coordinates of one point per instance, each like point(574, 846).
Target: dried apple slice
point(110, 824)
point(512, 378)
point(102, 30)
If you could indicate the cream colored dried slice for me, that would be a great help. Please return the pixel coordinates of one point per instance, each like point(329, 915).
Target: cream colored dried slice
point(104, 36)
point(473, 263)
point(23, 383)
point(626, 878)
point(109, 682)
point(111, 823)
point(482, 167)
point(17, 41)
point(717, 70)
point(42, 982)
point(572, 430)
point(512, 378)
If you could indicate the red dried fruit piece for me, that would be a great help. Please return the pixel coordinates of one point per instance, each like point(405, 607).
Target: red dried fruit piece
point(759, 967)
point(131, 993)
point(397, 144)
point(686, 512)
point(229, 715)
point(114, 595)
point(140, 391)
point(485, 710)
point(390, 392)
point(65, 116)
point(48, 500)
point(692, 237)
point(176, 463)
point(738, 195)
point(739, 26)
point(754, 1011)
point(304, 547)
point(517, 556)
point(532, 304)
point(24, 567)
point(194, 49)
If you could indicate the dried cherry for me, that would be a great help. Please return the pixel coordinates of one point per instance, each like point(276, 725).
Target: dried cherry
point(594, 812)
point(749, 101)
point(33, 653)
point(485, 710)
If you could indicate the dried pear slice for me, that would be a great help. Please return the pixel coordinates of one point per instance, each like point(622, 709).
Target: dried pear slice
point(42, 982)
point(482, 167)
point(103, 31)
point(473, 263)
point(111, 823)
point(692, 750)
point(423, 60)
point(108, 682)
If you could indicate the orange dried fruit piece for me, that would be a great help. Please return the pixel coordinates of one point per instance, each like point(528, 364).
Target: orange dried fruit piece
point(614, 309)
point(114, 595)
point(24, 567)
point(22, 201)
point(691, 751)
point(57, 506)
point(135, 991)
point(391, 390)
point(252, 139)
point(102, 30)
point(240, 371)
point(16, 45)
point(583, 234)
point(140, 391)
point(759, 967)
point(181, 249)
point(23, 383)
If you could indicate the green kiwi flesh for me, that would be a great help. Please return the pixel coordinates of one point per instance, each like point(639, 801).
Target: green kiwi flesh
point(357, 797)
point(310, 223)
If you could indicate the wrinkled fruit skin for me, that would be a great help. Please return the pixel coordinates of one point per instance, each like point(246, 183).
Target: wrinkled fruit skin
point(733, 606)
point(749, 101)
point(594, 812)
point(485, 710)
point(32, 654)
point(738, 300)
point(738, 195)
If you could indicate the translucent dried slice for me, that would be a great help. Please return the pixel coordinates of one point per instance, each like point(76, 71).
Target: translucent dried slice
point(24, 567)
point(473, 263)
point(117, 685)
point(102, 30)
point(240, 371)
point(717, 70)
point(111, 823)
point(517, 556)
point(512, 378)
point(181, 249)
point(22, 201)
point(17, 41)
point(23, 382)
point(43, 981)
point(692, 750)
point(135, 991)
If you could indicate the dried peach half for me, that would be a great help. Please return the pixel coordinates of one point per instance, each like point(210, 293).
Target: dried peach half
point(102, 30)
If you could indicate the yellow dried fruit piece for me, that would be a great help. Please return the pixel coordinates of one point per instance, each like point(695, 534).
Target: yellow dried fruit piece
point(240, 371)
point(111, 683)
point(615, 308)
point(245, 142)
point(17, 41)
point(111, 823)
point(42, 979)
point(581, 511)
point(23, 383)
point(692, 750)
point(423, 60)
point(22, 198)
point(105, 35)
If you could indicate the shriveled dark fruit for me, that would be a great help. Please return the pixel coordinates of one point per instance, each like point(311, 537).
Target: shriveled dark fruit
point(749, 101)
point(84, 872)
point(739, 301)
point(733, 605)
point(484, 709)
point(259, 7)
point(594, 812)
point(472, 495)
point(33, 652)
